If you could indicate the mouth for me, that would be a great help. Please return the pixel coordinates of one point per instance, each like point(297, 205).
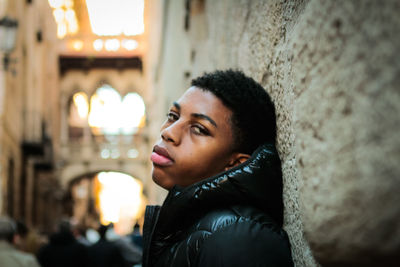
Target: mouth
point(161, 157)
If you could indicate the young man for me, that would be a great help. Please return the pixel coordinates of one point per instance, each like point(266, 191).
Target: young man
point(216, 156)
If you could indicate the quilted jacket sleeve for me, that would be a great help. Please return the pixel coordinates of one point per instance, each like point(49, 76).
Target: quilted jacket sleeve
point(245, 243)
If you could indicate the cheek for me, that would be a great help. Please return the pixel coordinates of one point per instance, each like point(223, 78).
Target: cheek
point(208, 165)
point(199, 160)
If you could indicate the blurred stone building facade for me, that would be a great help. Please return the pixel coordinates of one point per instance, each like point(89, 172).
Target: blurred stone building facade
point(331, 67)
point(29, 115)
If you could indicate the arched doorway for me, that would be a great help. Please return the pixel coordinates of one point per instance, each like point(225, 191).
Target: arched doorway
point(107, 197)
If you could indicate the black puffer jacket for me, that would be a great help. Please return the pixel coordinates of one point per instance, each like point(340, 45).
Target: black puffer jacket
point(231, 219)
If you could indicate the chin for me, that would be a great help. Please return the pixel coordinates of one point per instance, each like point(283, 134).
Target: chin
point(164, 183)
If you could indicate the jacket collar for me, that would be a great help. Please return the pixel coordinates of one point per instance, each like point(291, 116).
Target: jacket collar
point(256, 182)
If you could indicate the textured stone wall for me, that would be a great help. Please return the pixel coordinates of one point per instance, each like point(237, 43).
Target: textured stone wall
point(332, 70)
point(346, 71)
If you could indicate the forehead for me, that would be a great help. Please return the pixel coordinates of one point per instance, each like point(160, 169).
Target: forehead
point(197, 100)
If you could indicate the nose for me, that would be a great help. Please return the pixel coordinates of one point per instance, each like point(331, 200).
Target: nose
point(171, 133)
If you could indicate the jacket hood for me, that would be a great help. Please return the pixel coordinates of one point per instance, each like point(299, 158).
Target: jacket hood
point(256, 182)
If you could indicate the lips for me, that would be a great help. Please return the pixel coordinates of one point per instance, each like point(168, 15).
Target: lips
point(161, 157)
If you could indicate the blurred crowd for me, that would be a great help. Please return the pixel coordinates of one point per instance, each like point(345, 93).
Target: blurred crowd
point(69, 245)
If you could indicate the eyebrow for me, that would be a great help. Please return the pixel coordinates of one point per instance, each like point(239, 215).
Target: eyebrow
point(197, 115)
point(202, 116)
point(178, 107)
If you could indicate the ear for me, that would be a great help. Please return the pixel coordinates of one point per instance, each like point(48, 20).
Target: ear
point(236, 159)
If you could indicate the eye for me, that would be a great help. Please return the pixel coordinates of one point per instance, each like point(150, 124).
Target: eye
point(172, 116)
point(199, 130)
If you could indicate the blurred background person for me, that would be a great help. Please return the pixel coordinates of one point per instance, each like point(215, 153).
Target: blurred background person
point(136, 236)
point(29, 239)
point(105, 253)
point(63, 249)
point(131, 253)
point(79, 232)
point(9, 255)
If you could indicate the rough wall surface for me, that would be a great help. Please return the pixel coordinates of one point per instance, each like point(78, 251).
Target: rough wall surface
point(346, 69)
point(332, 70)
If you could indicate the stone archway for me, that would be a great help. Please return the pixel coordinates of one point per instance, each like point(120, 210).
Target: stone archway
point(104, 197)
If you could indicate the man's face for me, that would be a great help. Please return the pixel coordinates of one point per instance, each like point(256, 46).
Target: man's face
point(196, 140)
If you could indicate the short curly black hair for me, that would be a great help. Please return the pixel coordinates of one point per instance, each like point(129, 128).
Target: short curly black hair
point(253, 113)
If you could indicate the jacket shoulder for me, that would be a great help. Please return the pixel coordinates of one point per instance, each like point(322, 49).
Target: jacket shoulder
point(240, 236)
point(234, 236)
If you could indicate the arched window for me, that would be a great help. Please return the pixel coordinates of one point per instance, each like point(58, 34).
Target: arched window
point(132, 113)
point(107, 113)
point(77, 115)
point(110, 114)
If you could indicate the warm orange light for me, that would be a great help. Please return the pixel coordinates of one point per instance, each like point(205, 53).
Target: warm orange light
point(98, 44)
point(112, 18)
point(59, 15)
point(119, 199)
point(69, 3)
point(73, 27)
point(56, 3)
point(112, 44)
point(81, 103)
point(61, 30)
point(77, 45)
point(129, 44)
point(65, 17)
